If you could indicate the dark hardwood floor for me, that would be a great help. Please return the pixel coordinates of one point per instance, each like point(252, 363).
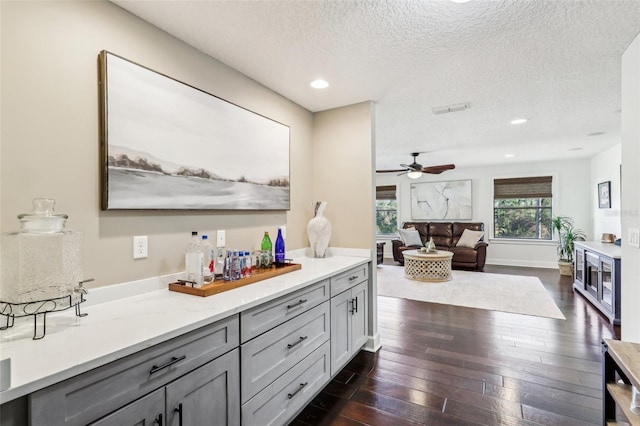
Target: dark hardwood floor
point(450, 365)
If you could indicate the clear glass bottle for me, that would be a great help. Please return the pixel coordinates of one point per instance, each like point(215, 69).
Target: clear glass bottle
point(226, 273)
point(249, 259)
point(242, 263)
point(209, 258)
point(279, 259)
point(234, 272)
point(194, 260)
point(219, 268)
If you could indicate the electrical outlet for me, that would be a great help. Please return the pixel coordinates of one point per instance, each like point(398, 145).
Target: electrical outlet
point(283, 228)
point(140, 248)
point(634, 237)
point(221, 238)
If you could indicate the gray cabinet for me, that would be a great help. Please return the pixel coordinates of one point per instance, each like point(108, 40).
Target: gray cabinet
point(275, 404)
point(148, 410)
point(208, 395)
point(348, 322)
point(271, 354)
point(597, 276)
point(284, 354)
point(105, 390)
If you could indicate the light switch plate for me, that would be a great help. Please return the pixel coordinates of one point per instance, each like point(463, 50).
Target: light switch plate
point(221, 238)
point(634, 237)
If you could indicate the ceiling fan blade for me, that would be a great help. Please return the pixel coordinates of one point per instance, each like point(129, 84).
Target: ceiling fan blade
point(436, 170)
point(391, 171)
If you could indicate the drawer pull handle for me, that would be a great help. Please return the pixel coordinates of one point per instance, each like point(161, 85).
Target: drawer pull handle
point(291, 395)
point(302, 339)
point(298, 303)
point(179, 411)
point(158, 420)
point(155, 368)
point(355, 277)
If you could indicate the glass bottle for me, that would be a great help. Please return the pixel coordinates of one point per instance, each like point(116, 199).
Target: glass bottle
point(226, 272)
point(234, 272)
point(219, 268)
point(194, 260)
point(209, 259)
point(267, 250)
point(249, 259)
point(279, 250)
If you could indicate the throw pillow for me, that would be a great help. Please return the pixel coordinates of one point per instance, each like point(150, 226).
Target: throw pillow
point(402, 230)
point(469, 238)
point(410, 237)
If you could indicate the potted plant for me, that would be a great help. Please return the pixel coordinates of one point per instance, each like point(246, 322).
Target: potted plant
point(567, 235)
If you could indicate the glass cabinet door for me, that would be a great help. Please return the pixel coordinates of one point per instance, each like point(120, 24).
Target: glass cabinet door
point(606, 296)
point(592, 264)
point(579, 265)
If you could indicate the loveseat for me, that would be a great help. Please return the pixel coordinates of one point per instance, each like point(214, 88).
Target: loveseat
point(446, 236)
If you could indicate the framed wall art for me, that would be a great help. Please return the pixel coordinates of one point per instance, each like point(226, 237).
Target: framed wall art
point(449, 200)
point(167, 145)
point(604, 195)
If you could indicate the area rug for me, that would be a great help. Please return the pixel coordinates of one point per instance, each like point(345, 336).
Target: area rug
point(497, 292)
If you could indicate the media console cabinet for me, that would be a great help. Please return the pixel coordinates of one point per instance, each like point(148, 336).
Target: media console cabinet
point(254, 355)
point(597, 276)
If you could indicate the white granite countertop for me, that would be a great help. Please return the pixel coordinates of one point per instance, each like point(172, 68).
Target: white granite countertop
point(608, 249)
point(132, 322)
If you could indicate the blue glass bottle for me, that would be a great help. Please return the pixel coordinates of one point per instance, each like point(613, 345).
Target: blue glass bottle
point(279, 258)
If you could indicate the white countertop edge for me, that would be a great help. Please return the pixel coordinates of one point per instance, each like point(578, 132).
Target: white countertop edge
point(108, 316)
point(607, 249)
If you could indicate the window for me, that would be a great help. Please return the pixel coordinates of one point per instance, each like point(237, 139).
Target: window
point(386, 210)
point(522, 208)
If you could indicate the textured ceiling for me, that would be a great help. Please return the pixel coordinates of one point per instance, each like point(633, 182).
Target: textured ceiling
point(556, 63)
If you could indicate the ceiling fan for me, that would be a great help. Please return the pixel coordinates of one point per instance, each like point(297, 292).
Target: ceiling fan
point(415, 169)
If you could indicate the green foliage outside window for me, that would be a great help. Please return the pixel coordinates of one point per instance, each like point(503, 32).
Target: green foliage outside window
point(386, 216)
point(523, 218)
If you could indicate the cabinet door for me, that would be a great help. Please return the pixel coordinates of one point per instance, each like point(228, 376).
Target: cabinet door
point(209, 395)
point(359, 315)
point(606, 283)
point(146, 411)
point(579, 266)
point(340, 330)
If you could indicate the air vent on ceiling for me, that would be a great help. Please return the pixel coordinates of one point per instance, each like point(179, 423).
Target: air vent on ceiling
point(451, 108)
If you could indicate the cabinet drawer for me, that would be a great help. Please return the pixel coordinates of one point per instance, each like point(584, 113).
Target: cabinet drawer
point(148, 410)
point(256, 321)
point(348, 279)
point(280, 401)
point(91, 395)
point(269, 355)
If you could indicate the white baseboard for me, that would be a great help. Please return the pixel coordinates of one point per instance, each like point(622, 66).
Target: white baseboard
point(373, 343)
point(522, 263)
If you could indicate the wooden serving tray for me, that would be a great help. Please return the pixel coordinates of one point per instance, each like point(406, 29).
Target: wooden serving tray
point(218, 286)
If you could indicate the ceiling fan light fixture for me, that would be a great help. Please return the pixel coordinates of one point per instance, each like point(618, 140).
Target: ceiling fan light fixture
point(414, 174)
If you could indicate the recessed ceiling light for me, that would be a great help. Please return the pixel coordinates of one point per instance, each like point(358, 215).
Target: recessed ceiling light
point(509, 155)
point(519, 121)
point(460, 1)
point(319, 84)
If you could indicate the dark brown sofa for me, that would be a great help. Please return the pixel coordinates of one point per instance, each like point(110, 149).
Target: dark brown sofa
point(446, 235)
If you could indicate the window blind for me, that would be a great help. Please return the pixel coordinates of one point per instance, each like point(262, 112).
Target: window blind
point(387, 192)
point(528, 187)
